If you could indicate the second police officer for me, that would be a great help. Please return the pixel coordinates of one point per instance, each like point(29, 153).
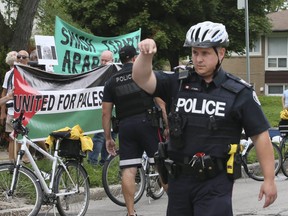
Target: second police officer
point(209, 108)
point(137, 129)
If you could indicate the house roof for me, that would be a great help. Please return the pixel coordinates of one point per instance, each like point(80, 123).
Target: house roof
point(279, 20)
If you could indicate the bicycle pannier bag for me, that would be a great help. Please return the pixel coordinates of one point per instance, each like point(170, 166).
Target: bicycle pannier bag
point(70, 148)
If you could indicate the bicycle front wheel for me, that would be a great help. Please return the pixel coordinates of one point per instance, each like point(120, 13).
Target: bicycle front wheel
point(284, 150)
point(26, 198)
point(112, 180)
point(72, 189)
point(253, 165)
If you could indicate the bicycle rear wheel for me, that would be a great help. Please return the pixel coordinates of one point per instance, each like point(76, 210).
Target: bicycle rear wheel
point(112, 180)
point(253, 165)
point(27, 196)
point(75, 182)
point(284, 150)
point(154, 187)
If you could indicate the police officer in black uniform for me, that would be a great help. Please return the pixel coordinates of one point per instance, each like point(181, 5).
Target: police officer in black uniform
point(137, 128)
point(209, 108)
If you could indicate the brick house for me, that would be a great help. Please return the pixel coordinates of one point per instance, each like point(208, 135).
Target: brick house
point(268, 59)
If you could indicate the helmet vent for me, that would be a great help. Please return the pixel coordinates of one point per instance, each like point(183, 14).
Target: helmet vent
point(204, 35)
point(192, 33)
point(197, 34)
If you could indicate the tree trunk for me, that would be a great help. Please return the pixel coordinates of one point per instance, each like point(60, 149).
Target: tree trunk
point(24, 24)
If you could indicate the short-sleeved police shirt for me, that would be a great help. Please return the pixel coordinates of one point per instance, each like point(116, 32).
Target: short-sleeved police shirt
point(246, 107)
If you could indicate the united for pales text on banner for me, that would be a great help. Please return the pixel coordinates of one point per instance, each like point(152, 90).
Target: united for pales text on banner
point(53, 101)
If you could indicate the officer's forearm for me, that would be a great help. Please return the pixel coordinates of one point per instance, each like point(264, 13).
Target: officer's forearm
point(142, 72)
point(106, 119)
point(107, 129)
point(106, 124)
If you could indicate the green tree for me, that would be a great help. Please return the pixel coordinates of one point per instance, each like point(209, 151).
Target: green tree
point(16, 23)
point(47, 11)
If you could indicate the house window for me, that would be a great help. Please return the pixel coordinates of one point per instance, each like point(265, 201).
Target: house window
point(277, 53)
point(255, 48)
point(276, 89)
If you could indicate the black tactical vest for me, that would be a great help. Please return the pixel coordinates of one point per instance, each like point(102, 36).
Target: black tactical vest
point(130, 98)
point(210, 123)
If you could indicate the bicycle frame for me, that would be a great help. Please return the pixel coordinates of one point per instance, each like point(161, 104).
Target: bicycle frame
point(55, 161)
point(146, 164)
point(246, 143)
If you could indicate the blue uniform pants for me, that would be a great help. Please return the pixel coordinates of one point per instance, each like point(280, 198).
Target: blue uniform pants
point(187, 197)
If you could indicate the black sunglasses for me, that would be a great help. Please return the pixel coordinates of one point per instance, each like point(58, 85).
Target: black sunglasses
point(22, 56)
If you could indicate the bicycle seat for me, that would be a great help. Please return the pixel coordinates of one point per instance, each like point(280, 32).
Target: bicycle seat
point(60, 134)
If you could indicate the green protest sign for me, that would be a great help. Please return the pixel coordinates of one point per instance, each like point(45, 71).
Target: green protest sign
point(79, 52)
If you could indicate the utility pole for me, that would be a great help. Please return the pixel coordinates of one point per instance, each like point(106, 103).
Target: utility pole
point(243, 4)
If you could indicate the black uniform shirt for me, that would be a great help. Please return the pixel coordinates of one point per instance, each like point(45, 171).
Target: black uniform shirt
point(198, 101)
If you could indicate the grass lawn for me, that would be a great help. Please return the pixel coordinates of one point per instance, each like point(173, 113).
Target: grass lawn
point(271, 105)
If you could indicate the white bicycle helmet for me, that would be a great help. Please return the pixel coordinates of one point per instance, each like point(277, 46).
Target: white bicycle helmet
point(207, 34)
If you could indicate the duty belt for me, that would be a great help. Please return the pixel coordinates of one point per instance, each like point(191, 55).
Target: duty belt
point(201, 166)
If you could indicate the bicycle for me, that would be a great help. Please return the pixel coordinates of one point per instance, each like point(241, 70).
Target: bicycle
point(146, 177)
point(250, 162)
point(25, 190)
point(283, 143)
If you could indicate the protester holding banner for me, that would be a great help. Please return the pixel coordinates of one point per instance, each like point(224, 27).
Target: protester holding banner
point(7, 108)
point(99, 138)
point(137, 133)
point(8, 86)
point(10, 59)
point(22, 57)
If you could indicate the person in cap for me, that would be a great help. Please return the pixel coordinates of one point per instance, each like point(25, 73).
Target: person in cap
point(209, 108)
point(137, 133)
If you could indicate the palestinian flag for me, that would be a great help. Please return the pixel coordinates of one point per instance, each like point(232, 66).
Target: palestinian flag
point(52, 101)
